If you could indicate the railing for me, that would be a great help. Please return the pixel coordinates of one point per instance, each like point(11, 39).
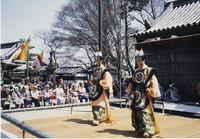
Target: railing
point(181, 107)
point(25, 127)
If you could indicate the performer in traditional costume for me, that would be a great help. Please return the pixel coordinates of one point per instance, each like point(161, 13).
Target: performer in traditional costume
point(99, 94)
point(144, 89)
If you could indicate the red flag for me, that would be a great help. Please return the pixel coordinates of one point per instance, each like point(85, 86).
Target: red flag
point(37, 64)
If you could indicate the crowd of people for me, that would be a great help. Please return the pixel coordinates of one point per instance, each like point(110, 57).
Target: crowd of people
point(22, 95)
point(38, 94)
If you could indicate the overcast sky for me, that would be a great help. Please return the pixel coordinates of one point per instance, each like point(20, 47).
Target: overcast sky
point(23, 18)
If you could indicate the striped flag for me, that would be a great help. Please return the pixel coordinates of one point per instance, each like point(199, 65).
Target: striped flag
point(37, 64)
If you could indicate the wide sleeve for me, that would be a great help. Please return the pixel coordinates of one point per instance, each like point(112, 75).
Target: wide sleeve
point(154, 88)
point(106, 82)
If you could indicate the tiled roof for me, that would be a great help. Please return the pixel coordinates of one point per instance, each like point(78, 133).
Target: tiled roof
point(7, 49)
point(9, 45)
point(181, 16)
point(69, 70)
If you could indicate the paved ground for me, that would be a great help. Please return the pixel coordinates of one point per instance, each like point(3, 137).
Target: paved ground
point(60, 123)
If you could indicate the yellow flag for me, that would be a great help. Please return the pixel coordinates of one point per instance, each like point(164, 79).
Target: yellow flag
point(23, 55)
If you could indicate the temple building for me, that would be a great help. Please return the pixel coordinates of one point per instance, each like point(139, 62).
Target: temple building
point(172, 46)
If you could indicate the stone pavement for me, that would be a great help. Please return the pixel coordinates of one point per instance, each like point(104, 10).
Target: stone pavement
point(59, 123)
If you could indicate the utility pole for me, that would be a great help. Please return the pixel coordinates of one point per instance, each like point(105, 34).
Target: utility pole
point(126, 35)
point(27, 65)
point(27, 60)
point(120, 61)
point(100, 24)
